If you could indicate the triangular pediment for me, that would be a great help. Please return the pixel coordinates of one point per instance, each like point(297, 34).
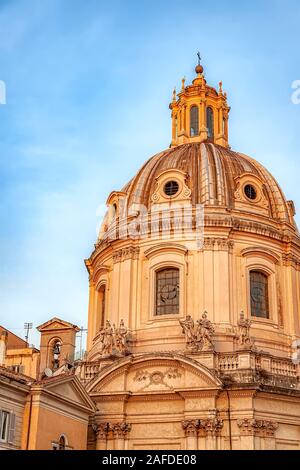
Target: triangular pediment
point(56, 324)
point(69, 389)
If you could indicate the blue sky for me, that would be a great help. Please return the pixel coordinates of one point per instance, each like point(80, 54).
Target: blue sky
point(88, 87)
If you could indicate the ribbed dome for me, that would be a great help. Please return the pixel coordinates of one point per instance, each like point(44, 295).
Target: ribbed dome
point(212, 173)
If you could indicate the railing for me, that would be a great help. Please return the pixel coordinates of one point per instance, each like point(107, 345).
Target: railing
point(228, 362)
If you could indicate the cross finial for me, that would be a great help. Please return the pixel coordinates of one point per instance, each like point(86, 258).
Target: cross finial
point(199, 58)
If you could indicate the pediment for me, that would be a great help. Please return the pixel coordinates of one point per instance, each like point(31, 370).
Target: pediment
point(69, 389)
point(56, 324)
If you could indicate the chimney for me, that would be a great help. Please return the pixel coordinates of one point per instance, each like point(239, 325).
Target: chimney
point(3, 345)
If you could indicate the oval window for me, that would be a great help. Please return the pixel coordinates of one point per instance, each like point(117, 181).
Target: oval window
point(250, 192)
point(171, 188)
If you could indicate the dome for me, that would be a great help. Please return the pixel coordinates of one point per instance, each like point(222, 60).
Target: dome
point(216, 176)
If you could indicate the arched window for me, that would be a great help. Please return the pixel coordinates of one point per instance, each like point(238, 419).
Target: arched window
point(259, 294)
point(102, 305)
point(167, 291)
point(210, 122)
point(194, 121)
point(56, 348)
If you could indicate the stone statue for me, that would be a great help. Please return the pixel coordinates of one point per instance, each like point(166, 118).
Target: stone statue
point(198, 337)
point(121, 338)
point(205, 331)
point(106, 339)
point(113, 340)
point(243, 331)
point(188, 329)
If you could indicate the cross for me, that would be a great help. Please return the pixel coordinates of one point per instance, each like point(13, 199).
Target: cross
point(199, 57)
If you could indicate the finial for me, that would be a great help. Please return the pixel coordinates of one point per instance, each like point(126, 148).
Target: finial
point(183, 83)
point(220, 87)
point(174, 94)
point(199, 68)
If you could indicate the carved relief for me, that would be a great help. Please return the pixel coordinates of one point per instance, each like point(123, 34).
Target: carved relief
point(130, 252)
point(156, 377)
point(198, 336)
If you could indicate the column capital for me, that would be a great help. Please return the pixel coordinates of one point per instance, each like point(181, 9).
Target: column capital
point(120, 430)
point(212, 426)
point(258, 427)
point(191, 427)
point(101, 430)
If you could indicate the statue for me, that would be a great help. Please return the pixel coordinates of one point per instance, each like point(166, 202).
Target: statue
point(243, 331)
point(106, 338)
point(205, 331)
point(121, 338)
point(113, 340)
point(198, 337)
point(188, 330)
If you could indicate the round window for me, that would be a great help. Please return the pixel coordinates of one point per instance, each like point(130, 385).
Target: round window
point(250, 192)
point(171, 188)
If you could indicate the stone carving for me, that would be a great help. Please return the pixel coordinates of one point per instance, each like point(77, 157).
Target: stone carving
point(156, 377)
point(198, 336)
point(212, 426)
point(101, 430)
point(191, 427)
point(258, 427)
point(243, 332)
point(120, 430)
point(114, 341)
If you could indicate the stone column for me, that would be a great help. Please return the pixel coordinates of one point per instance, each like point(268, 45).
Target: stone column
point(191, 433)
point(120, 431)
point(246, 427)
point(257, 434)
point(212, 428)
point(101, 430)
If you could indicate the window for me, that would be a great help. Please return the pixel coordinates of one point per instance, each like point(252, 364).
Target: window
point(171, 188)
point(167, 291)
point(259, 294)
point(194, 121)
point(4, 423)
point(250, 192)
point(102, 294)
point(210, 122)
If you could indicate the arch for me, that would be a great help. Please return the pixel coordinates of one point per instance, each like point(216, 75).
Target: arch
point(194, 121)
point(205, 379)
point(54, 352)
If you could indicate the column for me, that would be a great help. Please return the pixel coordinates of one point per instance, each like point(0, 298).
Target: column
point(120, 431)
point(212, 428)
point(101, 430)
point(191, 433)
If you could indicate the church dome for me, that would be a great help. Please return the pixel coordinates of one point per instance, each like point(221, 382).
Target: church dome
point(216, 176)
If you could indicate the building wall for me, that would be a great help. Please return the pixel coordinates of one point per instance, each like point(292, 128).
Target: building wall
point(12, 399)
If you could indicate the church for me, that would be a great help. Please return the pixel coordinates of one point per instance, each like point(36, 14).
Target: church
point(194, 301)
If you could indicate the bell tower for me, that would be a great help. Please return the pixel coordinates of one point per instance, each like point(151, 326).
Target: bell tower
point(199, 112)
point(57, 344)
